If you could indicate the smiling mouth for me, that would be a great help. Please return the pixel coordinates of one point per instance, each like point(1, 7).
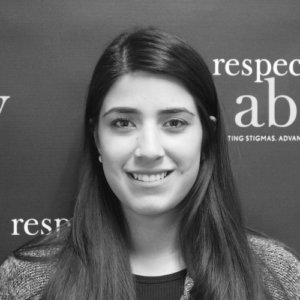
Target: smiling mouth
point(149, 177)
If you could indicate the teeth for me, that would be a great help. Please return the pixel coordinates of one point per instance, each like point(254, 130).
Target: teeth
point(149, 178)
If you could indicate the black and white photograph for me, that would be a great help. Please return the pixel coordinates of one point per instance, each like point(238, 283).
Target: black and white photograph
point(149, 150)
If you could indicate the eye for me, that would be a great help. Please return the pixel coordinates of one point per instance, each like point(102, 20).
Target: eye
point(122, 123)
point(176, 124)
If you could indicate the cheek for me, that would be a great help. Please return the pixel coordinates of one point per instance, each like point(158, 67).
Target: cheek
point(188, 160)
point(186, 152)
point(114, 148)
point(115, 153)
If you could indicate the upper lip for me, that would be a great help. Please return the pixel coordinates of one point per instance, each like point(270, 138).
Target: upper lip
point(148, 172)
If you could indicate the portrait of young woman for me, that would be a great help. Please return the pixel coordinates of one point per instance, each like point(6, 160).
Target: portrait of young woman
point(157, 214)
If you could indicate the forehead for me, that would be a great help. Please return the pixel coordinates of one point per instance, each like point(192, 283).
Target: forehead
point(145, 91)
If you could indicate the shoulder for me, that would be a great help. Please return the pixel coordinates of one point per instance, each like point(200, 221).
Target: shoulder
point(24, 279)
point(279, 266)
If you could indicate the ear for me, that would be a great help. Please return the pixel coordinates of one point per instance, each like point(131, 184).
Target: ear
point(96, 139)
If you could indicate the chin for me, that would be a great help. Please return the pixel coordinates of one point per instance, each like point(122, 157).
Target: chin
point(151, 210)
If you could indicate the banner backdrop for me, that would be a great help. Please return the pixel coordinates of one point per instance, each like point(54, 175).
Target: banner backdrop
point(48, 51)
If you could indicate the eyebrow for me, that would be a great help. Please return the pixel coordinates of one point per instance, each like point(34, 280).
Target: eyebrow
point(166, 111)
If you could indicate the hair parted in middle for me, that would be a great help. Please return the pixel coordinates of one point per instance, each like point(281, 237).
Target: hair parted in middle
point(212, 236)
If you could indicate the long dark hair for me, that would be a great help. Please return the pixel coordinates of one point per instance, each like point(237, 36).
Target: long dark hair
point(92, 258)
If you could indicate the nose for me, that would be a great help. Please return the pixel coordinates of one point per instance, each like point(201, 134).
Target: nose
point(149, 145)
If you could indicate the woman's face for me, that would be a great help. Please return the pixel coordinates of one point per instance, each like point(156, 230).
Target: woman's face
point(149, 136)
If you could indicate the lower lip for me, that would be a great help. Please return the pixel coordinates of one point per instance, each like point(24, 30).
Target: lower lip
point(150, 183)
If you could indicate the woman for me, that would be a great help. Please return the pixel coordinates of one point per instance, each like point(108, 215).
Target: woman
point(157, 215)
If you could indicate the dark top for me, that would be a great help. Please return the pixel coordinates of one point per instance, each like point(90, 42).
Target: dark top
point(279, 269)
point(166, 287)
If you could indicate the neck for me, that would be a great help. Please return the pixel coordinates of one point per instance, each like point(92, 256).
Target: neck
point(154, 244)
